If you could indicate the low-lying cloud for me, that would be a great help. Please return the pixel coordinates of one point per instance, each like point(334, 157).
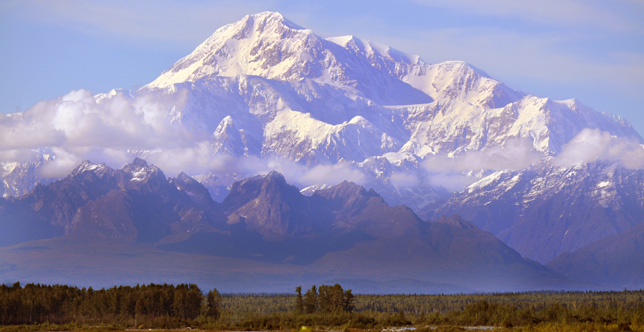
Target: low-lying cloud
point(514, 154)
point(116, 127)
point(592, 145)
point(110, 128)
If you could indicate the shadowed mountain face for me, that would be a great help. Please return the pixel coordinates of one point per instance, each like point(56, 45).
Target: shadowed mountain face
point(616, 261)
point(135, 204)
point(547, 211)
point(273, 208)
point(343, 232)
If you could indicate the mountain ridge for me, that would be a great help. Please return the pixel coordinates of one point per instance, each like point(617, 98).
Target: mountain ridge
point(270, 221)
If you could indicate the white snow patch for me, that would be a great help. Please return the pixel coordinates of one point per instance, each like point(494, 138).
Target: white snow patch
point(486, 181)
point(603, 184)
point(139, 174)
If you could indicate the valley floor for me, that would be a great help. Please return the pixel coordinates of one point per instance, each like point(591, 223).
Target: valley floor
point(64, 308)
point(546, 327)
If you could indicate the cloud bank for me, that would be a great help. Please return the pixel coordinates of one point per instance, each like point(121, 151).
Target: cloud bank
point(592, 145)
point(114, 128)
point(514, 154)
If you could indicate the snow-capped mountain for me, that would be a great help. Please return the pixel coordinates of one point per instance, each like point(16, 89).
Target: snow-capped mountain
point(20, 178)
point(264, 93)
point(321, 100)
point(264, 86)
point(548, 210)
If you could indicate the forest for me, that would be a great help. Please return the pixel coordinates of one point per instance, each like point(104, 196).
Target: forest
point(325, 307)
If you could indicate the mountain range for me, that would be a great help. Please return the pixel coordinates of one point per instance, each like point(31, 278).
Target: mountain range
point(344, 232)
point(553, 179)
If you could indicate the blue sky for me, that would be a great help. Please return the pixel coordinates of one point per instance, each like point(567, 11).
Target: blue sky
point(591, 50)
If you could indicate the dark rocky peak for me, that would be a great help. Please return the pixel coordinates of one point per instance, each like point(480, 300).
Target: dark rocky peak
point(195, 190)
point(348, 195)
point(87, 166)
point(268, 186)
point(271, 207)
point(140, 171)
point(136, 164)
point(345, 190)
point(456, 221)
point(275, 176)
point(89, 174)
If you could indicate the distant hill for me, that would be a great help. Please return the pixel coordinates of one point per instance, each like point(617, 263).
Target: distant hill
point(616, 261)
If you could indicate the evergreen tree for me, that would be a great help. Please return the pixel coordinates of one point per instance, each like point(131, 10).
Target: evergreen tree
point(213, 303)
point(349, 301)
point(299, 307)
point(311, 300)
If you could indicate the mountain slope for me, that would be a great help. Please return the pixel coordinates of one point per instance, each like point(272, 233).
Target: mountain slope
point(550, 210)
point(452, 105)
point(271, 207)
point(343, 232)
point(136, 204)
point(616, 261)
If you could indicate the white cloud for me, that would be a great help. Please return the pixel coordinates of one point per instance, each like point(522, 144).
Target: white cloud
point(104, 128)
point(405, 179)
point(62, 165)
point(331, 174)
point(116, 127)
point(514, 154)
point(452, 181)
point(18, 155)
point(592, 145)
point(300, 175)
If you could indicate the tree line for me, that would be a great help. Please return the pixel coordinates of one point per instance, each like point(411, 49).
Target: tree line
point(142, 304)
point(325, 299)
point(169, 306)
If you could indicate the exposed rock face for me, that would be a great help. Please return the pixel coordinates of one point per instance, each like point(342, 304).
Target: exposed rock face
point(271, 207)
point(342, 228)
point(136, 204)
point(547, 211)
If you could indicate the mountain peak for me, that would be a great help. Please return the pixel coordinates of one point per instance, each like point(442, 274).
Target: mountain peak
point(270, 18)
point(346, 191)
point(87, 166)
point(138, 162)
point(264, 44)
point(275, 176)
point(140, 171)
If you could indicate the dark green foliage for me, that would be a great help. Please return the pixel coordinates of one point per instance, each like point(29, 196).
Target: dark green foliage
point(311, 300)
point(326, 299)
point(168, 306)
point(213, 304)
point(299, 306)
point(151, 304)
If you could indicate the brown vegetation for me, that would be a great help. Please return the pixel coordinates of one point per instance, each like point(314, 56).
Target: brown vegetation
point(57, 307)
